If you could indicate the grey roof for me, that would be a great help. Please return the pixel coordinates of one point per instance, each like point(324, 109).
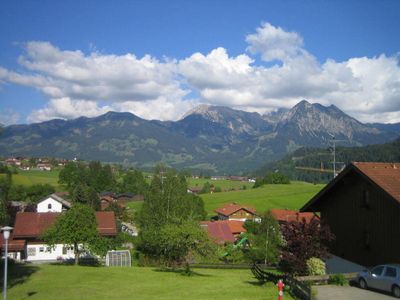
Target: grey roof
point(58, 199)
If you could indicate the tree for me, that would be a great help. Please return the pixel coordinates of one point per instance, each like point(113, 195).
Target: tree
point(86, 195)
point(272, 178)
point(304, 241)
point(265, 239)
point(76, 227)
point(178, 240)
point(167, 219)
point(36, 192)
point(72, 174)
point(133, 182)
point(5, 186)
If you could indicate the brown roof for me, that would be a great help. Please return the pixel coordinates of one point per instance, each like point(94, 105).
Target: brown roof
point(33, 225)
point(231, 208)
point(106, 224)
point(219, 232)
point(385, 176)
point(285, 215)
point(235, 227)
point(13, 245)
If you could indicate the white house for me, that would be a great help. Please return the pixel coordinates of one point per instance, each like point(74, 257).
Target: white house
point(26, 244)
point(52, 203)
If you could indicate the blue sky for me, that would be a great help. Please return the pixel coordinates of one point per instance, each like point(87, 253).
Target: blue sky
point(158, 59)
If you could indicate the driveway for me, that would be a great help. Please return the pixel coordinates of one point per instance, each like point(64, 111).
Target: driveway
point(332, 292)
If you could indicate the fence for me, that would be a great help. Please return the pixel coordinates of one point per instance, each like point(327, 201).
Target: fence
point(300, 289)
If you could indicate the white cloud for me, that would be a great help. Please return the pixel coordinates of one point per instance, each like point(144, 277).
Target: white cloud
point(65, 108)
point(274, 43)
point(79, 84)
point(8, 116)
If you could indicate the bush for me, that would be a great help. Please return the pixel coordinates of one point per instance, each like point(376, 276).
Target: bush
point(337, 279)
point(315, 266)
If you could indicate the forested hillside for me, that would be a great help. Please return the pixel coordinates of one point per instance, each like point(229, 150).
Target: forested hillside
point(319, 158)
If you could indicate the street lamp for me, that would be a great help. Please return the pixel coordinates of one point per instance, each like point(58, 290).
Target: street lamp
point(6, 234)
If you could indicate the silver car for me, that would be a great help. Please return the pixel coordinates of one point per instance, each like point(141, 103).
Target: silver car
point(383, 277)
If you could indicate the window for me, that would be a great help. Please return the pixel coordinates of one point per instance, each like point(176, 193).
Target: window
point(64, 250)
point(31, 251)
point(390, 272)
point(365, 199)
point(49, 206)
point(41, 249)
point(48, 249)
point(377, 271)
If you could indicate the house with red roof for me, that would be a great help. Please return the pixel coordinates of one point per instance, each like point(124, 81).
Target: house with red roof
point(286, 215)
point(362, 208)
point(223, 231)
point(237, 212)
point(25, 242)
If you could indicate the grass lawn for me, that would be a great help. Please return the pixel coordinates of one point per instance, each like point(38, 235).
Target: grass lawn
point(71, 282)
point(31, 177)
point(290, 196)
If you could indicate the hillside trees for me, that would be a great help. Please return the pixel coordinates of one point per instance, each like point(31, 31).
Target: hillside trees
point(272, 178)
point(168, 220)
point(94, 175)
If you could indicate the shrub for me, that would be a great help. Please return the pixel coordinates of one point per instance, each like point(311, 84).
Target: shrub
point(315, 266)
point(337, 279)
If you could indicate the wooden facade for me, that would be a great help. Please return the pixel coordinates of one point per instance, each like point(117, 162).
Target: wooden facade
point(363, 216)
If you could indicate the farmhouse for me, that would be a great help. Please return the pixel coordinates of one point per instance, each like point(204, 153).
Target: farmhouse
point(52, 203)
point(362, 207)
point(25, 243)
point(222, 232)
point(237, 212)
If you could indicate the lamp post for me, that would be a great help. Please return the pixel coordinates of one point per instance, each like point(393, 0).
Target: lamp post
point(6, 234)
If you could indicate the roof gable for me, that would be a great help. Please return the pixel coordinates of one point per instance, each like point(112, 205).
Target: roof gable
point(385, 176)
point(231, 208)
point(57, 198)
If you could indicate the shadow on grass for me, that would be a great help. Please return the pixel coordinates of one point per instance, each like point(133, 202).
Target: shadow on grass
point(87, 262)
point(182, 272)
point(255, 282)
point(17, 273)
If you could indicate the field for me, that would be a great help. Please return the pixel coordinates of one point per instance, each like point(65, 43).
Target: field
point(30, 177)
point(223, 184)
point(47, 282)
point(290, 196)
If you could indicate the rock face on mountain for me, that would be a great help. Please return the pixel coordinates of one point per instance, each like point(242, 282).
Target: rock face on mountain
point(210, 139)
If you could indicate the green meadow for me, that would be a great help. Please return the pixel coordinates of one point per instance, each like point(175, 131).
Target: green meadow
point(48, 282)
point(286, 196)
point(31, 177)
point(289, 196)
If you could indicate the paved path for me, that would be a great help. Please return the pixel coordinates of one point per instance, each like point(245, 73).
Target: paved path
point(331, 292)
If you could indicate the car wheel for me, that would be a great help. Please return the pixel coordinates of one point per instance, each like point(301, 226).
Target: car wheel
point(362, 283)
point(396, 291)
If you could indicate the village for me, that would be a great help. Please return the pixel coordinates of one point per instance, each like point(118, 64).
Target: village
point(361, 237)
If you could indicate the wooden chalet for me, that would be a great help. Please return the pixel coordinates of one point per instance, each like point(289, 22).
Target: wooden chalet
point(237, 212)
point(362, 208)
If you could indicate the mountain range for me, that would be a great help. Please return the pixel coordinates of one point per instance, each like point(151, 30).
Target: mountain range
point(208, 139)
